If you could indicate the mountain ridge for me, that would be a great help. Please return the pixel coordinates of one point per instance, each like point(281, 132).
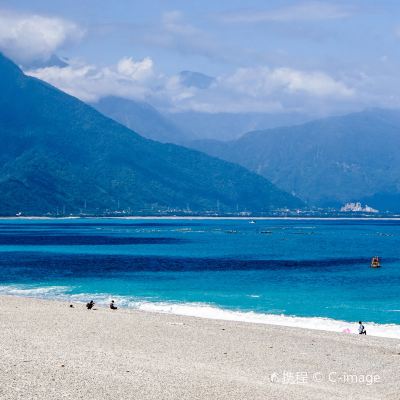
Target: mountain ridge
point(140, 117)
point(325, 162)
point(58, 152)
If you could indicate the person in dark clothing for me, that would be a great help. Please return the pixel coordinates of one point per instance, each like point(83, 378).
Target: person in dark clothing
point(113, 306)
point(361, 328)
point(90, 305)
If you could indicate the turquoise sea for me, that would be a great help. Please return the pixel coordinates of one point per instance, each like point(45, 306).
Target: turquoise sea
point(310, 273)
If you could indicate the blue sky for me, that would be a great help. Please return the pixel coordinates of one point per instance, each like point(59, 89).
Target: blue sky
point(321, 57)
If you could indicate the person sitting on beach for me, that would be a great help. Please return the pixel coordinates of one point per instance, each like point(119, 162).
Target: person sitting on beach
point(90, 305)
point(361, 329)
point(113, 306)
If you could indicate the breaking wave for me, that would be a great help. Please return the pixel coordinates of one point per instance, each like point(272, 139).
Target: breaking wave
point(201, 310)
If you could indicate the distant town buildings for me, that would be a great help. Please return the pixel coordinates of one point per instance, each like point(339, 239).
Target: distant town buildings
point(357, 207)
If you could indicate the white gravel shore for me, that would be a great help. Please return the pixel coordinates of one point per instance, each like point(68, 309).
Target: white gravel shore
point(51, 351)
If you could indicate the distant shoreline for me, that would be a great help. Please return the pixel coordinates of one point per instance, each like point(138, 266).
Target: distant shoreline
point(206, 218)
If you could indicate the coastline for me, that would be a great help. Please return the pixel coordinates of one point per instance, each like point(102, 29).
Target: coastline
point(211, 218)
point(206, 311)
point(51, 350)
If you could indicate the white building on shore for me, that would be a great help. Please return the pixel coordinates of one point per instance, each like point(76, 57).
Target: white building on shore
point(357, 207)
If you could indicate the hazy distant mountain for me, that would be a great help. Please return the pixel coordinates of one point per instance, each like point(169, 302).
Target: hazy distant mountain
point(142, 118)
point(52, 61)
point(184, 127)
point(196, 79)
point(328, 161)
point(58, 152)
point(230, 126)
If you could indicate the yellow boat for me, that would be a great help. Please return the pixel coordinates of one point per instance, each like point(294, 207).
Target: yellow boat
point(375, 263)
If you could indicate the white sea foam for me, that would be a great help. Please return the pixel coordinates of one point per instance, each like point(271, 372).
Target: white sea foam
point(34, 291)
point(316, 323)
point(202, 310)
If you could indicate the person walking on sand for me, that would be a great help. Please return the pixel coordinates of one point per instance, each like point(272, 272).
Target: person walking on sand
point(113, 306)
point(361, 329)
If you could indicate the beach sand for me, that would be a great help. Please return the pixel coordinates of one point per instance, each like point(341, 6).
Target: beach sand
point(51, 351)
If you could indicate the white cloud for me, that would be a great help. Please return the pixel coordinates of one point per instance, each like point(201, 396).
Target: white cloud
point(257, 89)
point(308, 11)
point(315, 83)
point(136, 70)
point(128, 79)
point(26, 37)
point(263, 89)
point(263, 81)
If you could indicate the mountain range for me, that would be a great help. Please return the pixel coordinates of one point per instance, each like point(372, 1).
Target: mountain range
point(58, 152)
point(226, 126)
point(326, 162)
point(182, 127)
point(186, 126)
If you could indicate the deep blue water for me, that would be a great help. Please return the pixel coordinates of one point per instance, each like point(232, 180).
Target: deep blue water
point(309, 268)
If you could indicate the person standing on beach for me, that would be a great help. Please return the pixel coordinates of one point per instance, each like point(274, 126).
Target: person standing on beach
point(361, 328)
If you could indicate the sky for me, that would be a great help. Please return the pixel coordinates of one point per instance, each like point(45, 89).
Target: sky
point(311, 57)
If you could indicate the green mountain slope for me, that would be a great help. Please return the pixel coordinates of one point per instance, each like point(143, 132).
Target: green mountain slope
point(326, 162)
point(58, 152)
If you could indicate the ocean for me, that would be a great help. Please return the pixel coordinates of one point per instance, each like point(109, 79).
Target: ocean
point(310, 273)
